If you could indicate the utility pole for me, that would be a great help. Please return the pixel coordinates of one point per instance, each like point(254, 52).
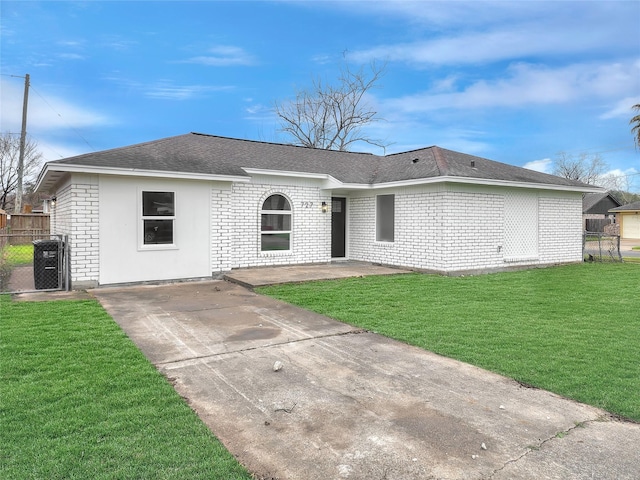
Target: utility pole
point(23, 135)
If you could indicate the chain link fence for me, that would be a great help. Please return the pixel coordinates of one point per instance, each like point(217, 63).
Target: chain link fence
point(601, 247)
point(32, 263)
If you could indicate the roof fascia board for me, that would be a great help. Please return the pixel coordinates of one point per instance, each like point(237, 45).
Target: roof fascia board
point(138, 173)
point(285, 173)
point(334, 183)
point(330, 182)
point(489, 182)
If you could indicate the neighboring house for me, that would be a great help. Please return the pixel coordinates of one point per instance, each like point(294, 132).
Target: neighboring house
point(595, 211)
point(197, 205)
point(628, 216)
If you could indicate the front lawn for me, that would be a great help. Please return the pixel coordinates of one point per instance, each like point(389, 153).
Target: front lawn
point(78, 400)
point(573, 330)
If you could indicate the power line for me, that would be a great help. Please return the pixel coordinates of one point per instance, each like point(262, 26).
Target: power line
point(60, 115)
point(55, 111)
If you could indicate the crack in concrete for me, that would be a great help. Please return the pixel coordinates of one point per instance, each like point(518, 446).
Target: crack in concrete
point(537, 447)
point(270, 345)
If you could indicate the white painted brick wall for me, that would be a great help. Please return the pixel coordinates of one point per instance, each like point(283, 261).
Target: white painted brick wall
point(311, 229)
point(461, 229)
point(84, 236)
point(221, 237)
point(560, 228)
point(61, 212)
point(76, 215)
point(441, 228)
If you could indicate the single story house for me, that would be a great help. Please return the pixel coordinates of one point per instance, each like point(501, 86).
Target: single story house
point(628, 216)
point(595, 211)
point(196, 205)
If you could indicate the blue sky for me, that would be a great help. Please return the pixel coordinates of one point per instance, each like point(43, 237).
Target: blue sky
point(514, 81)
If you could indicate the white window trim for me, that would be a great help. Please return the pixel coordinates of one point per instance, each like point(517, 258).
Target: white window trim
point(141, 218)
point(268, 253)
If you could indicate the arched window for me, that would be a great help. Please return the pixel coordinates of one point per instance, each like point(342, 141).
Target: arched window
point(275, 231)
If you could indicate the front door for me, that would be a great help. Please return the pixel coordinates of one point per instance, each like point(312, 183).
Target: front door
point(338, 227)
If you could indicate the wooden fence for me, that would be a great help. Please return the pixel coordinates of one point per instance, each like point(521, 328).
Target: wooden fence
point(26, 227)
point(596, 224)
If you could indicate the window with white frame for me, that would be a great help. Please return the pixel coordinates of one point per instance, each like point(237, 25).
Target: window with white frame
point(158, 216)
point(275, 230)
point(385, 218)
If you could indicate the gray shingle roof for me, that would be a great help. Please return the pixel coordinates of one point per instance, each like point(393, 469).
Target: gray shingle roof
point(598, 202)
point(208, 154)
point(627, 207)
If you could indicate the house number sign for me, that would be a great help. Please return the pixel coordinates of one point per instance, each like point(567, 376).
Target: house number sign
point(307, 204)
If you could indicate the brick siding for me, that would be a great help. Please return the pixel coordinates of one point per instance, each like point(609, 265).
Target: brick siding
point(311, 228)
point(461, 229)
point(76, 215)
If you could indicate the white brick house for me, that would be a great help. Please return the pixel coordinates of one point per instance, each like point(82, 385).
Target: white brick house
point(198, 205)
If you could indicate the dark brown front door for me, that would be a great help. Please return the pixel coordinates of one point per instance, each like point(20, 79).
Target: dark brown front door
point(338, 227)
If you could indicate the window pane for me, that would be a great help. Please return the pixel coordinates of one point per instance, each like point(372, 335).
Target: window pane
point(276, 202)
point(275, 241)
point(276, 222)
point(385, 218)
point(157, 204)
point(158, 232)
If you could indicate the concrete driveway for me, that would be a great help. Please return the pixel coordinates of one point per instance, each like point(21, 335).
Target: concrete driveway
point(352, 404)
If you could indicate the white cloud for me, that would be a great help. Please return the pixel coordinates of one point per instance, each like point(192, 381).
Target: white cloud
point(545, 165)
point(71, 56)
point(256, 109)
point(485, 47)
point(223, 56)
point(481, 32)
point(46, 112)
point(622, 108)
point(166, 90)
point(527, 84)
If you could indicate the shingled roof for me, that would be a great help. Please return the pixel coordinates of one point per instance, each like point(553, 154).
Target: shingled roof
point(598, 203)
point(629, 207)
point(197, 153)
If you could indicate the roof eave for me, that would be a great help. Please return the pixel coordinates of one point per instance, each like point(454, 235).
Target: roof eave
point(488, 182)
point(132, 172)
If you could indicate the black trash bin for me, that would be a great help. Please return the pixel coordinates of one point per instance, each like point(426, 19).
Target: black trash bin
point(46, 264)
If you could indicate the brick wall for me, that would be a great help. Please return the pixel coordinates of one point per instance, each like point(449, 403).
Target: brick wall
point(560, 227)
point(311, 229)
point(445, 228)
point(462, 228)
point(76, 215)
point(84, 236)
point(221, 234)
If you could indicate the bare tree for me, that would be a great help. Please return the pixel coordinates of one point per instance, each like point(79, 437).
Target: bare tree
point(585, 168)
point(635, 121)
point(9, 156)
point(332, 117)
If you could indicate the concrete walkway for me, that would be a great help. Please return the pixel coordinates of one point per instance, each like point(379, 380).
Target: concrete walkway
point(257, 277)
point(296, 395)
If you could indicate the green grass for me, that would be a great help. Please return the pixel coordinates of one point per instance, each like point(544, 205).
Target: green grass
point(573, 330)
point(78, 400)
point(19, 254)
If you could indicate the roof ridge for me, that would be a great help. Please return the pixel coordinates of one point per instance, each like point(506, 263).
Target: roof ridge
point(281, 144)
point(441, 162)
point(411, 151)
